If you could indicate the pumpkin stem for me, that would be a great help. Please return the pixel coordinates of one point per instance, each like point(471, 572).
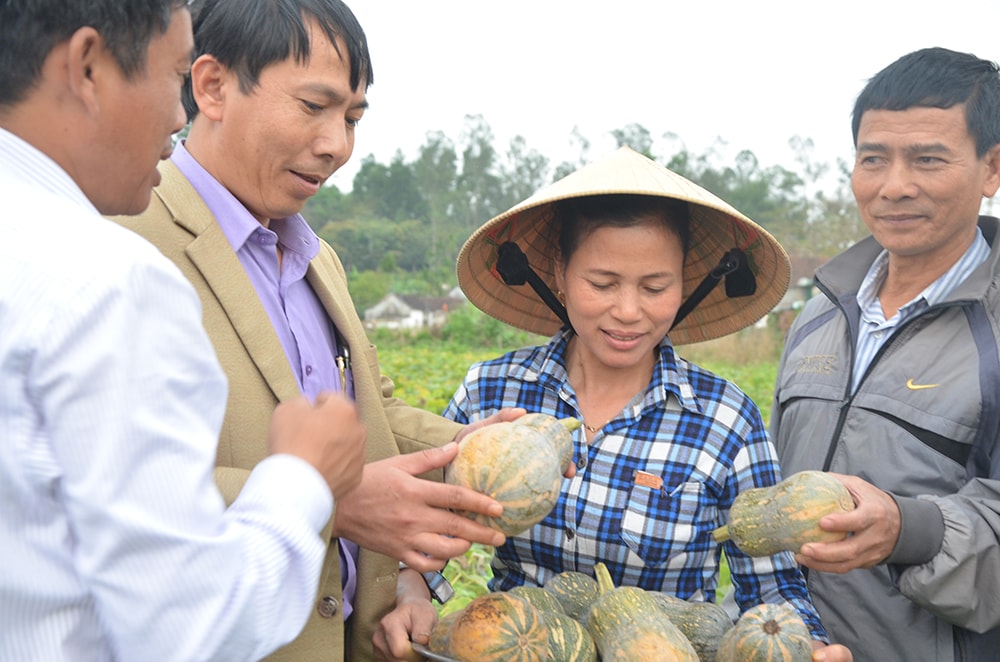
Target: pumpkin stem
point(570, 423)
point(721, 534)
point(771, 627)
point(604, 582)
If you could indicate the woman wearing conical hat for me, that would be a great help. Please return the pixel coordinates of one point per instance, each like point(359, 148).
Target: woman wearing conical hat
point(619, 263)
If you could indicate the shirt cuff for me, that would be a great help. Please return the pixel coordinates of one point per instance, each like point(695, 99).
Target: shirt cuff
point(297, 484)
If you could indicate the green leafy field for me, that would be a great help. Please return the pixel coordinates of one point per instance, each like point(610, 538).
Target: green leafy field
point(428, 368)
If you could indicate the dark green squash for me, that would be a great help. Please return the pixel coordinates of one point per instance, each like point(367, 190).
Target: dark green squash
point(703, 623)
point(574, 590)
point(539, 598)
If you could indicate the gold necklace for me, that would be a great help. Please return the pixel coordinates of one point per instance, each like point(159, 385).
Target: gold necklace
point(591, 428)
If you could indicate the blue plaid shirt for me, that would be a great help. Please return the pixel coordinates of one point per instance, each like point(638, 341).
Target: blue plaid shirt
point(697, 433)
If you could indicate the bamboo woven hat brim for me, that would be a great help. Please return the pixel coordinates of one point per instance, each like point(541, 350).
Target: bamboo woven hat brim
point(716, 227)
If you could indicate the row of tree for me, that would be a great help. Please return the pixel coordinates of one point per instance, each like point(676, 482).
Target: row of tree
point(401, 226)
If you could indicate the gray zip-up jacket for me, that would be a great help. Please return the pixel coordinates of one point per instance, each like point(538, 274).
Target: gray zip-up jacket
point(923, 425)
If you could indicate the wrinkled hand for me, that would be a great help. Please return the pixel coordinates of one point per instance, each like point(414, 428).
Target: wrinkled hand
point(328, 435)
point(830, 653)
point(397, 514)
point(873, 528)
point(412, 620)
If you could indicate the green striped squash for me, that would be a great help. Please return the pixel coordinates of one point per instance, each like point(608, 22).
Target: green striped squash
point(569, 641)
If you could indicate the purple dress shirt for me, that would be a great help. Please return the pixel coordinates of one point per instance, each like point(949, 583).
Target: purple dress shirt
point(306, 332)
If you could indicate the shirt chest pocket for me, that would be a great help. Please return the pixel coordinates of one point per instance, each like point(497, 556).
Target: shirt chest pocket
point(660, 523)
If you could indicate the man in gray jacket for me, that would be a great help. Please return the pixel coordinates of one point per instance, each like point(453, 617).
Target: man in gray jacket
point(891, 376)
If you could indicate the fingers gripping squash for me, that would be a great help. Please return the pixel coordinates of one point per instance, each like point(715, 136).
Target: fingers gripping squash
point(520, 464)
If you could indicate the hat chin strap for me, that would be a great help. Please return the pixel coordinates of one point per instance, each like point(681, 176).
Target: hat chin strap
point(740, 282)
point(513, 267)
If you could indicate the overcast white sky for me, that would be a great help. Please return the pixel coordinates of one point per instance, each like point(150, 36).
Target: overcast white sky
point(751, 73)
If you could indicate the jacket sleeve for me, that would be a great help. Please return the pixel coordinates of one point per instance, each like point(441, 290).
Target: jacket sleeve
point(960, 583)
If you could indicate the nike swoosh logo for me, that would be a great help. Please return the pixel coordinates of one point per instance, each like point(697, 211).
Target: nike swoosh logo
point(919, 387)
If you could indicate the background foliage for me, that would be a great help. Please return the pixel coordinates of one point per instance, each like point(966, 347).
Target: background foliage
point(402, 224)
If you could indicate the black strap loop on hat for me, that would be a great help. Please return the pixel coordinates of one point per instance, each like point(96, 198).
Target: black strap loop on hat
point(740, 282)
point(513, 267)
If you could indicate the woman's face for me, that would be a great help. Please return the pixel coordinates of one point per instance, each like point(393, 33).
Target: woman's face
point(623, 288)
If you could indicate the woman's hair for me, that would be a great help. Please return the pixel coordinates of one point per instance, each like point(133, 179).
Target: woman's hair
point(575, 219)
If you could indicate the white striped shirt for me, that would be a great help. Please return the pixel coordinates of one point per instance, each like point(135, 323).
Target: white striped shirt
point(115, 541)
point(874, 329)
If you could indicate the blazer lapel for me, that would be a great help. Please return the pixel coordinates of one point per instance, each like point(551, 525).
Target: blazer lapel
point(215, 259)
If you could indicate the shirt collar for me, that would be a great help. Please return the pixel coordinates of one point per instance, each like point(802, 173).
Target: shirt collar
point(39, 169)
point(977, 253)
point(547, 366)
point(234, 219)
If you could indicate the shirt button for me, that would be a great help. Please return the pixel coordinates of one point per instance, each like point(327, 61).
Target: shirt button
point(309, 370)
point(581, 463)
point(570, 534)
point(328, 607)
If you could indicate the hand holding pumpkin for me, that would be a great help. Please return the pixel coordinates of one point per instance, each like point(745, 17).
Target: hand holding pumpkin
point(873, 528)
point(410, 519)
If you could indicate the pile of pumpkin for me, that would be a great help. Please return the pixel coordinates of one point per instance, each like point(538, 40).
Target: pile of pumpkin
point(576, 618)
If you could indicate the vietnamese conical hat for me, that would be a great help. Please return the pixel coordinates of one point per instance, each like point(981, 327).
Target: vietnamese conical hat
point(716, 227)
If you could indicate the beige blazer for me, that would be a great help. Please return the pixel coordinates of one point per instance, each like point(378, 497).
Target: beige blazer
point(180, 225)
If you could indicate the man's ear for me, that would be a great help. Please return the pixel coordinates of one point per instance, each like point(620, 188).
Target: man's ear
point(209, 81)
point(992, 163)
point(85, 57)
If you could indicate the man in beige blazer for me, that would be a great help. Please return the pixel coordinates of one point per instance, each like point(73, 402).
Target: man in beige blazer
point(271, 122)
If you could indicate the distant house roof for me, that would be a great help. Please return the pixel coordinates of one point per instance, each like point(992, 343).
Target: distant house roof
point(408, 310)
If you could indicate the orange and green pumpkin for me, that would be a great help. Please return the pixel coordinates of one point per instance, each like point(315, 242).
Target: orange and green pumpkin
point(767, 633)
point(499, 627)
point(520, 464)
point(785, 516)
